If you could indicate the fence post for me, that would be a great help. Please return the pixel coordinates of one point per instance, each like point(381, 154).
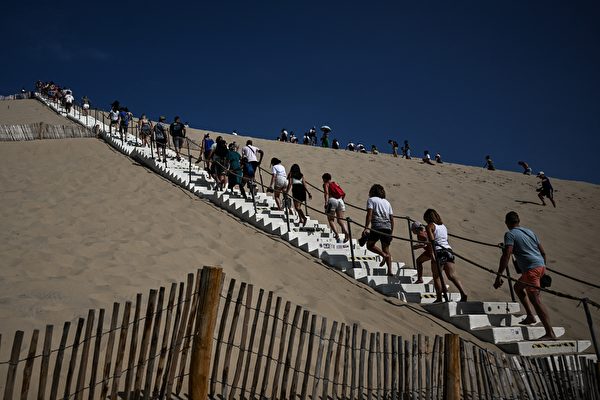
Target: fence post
point(588, 316)
point(452, 367)
point(412, 250)
point(211, 281)
point(349, 223)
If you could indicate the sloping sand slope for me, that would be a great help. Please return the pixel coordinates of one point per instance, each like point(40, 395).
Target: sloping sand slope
point(84, 226)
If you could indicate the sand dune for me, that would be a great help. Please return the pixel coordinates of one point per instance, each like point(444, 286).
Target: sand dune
point(84, 226)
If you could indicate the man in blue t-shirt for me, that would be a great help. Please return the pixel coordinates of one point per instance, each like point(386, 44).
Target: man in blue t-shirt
point(531, 260)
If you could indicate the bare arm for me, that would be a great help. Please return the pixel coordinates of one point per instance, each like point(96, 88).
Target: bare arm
point(431, 237)
point(368, 219)
point(326, 192)
point(542, 252)
point(503, 265)
point(392, 223)
point(306, 189)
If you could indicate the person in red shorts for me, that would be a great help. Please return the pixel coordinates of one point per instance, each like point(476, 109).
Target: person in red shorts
point(531, 260)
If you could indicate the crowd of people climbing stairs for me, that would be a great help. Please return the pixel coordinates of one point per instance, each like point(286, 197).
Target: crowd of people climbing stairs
point(231, 168)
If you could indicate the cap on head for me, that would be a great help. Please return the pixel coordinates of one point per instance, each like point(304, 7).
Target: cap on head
point(415, 226)
point(541, 173)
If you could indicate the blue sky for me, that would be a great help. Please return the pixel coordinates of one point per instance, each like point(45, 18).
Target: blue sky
point(513, 79)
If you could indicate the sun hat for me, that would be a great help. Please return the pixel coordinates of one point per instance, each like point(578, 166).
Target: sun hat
point(415, 225)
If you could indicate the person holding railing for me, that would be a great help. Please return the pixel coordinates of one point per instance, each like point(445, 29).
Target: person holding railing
point(421, 233)
point(531, 261)
point(334, 206)
point(234, 174)
point(441, 254)
point(278, 180)
point(160, 137)
point(299, 191)
point(218, 157)
point(380, 217)
point(124, 118)
point(145, 126)
point(252, 157)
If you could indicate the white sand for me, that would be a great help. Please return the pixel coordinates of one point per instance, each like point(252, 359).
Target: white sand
point(84, 226)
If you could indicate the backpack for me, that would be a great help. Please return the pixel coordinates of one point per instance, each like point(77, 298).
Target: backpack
point(159, 131)
point(336, 191)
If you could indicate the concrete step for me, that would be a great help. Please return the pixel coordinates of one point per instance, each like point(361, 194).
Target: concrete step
point(504, 334)
point(396, 289)
point(404, 275)
point(426, 298)
point(544, 348)
point(365, 269)
point(474, 321)
point(447, 310)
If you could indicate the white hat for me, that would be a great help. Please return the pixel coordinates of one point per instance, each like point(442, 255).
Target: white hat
point(415, 225)
point(540, 173)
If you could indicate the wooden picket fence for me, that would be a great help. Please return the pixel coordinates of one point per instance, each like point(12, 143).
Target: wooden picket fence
point(43, 131)
point(263, 347)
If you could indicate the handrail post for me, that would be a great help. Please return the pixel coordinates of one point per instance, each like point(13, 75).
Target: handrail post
point(287, 213)
point(412, 250)
point(262, 185)
point(349, 222)
point(211, 282)
point(189, 162)
point(510, 286)
point(251, 188)
point(588, 316)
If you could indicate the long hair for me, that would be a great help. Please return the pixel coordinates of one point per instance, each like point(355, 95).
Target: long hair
point(432, 216)
point(275, 161)
point(295, 172)
point(377, 191)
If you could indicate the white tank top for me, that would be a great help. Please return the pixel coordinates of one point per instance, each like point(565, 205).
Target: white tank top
point(441, 237)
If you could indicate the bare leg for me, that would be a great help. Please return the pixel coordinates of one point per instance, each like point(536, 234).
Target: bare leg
point(371, 247)
point(452, 277)
point(331, 220)
point(342, 222)
point(277, 200)
point(535, 299)
point(420, 260)
point(388, 260)
point(522, 295)
point(437, 282)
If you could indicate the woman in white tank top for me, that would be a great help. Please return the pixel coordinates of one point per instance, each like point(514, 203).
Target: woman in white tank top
point(442, 256)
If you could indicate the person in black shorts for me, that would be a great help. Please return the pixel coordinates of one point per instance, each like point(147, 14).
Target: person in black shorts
point(380, 218)
point(546, 190)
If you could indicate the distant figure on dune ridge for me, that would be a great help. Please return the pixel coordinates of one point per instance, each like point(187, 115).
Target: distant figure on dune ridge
point(441, 254)
point(334, 205)
point(394, 145)
point(350, 146)
point(335, 144)
point(421, 233)
point(299, 191)
point(427, 158)
point(531, 261)
point(374, 149)
point(526, 168)
point(278, 180)
point(546, 190)
point(438, 158)
point(406, 150)
point(489, 164)
point(380, 220)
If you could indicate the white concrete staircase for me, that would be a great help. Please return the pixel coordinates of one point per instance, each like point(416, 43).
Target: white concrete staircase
point(490, 321)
